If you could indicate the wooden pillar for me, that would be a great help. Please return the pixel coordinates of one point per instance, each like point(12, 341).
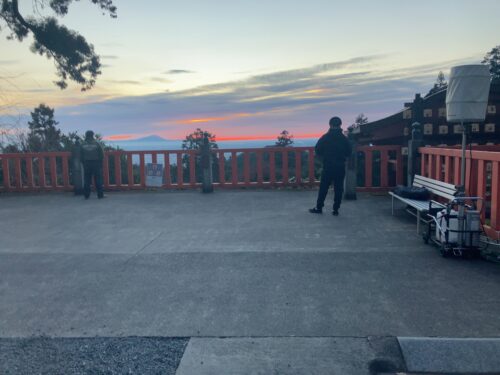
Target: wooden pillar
point(495, 195)
point(368, 168)
point(351, 172)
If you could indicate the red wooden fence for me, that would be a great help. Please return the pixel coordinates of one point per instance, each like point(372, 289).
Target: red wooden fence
point(232, 168)
point(35, 171)
point(381, 166)
point(482, 178)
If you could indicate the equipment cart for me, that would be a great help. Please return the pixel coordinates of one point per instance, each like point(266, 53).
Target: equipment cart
point(456, 228)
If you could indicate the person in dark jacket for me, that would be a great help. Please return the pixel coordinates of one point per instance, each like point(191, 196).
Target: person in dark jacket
point(92, 155)
point(334, 148)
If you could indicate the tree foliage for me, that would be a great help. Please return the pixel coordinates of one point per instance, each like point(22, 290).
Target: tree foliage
point(194, 141)
point(44, 134)
point(74, 58)
point(492, 59)
point(361, 119)
point(284, 139)
point(440, 84)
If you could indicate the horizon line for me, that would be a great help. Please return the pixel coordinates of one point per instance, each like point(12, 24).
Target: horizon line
point(134, 137)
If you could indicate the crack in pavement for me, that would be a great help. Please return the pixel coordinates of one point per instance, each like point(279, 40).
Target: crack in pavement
point(143, 248)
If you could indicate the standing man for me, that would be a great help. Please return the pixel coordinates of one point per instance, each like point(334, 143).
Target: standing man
point(92, 156)
point(334, 148)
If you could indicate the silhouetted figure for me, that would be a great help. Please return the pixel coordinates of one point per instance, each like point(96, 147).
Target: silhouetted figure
point(92, 156)
point(334, 148)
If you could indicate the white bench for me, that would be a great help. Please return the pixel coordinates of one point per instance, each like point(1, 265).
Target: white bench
point(438, 188)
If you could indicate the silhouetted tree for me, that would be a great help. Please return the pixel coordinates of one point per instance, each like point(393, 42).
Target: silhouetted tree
point(440, 84)
point(74, 57)
point(194, 141)
point(492, 59)
point(361, 119)
point(284, 139)
point(44, 134)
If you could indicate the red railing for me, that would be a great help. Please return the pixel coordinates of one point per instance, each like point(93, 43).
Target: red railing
point(482, 177)
point(35, 171)
point(230, 167)
point(270, 166)
point(379, 168)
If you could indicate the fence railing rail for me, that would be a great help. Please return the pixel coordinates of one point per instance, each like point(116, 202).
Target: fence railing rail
point(482, 177)
point(379, 168)
point(35, 171)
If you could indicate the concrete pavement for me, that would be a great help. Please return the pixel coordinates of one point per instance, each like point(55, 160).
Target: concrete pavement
point(236, 264)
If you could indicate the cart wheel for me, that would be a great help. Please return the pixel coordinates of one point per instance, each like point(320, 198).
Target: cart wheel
point(445, 251)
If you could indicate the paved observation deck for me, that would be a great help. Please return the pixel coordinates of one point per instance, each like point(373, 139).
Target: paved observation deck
point(232, 265)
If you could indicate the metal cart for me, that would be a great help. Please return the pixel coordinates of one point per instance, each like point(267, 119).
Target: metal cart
point(456, 228)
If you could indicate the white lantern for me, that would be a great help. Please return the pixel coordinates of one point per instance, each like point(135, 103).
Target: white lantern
point(467, 93)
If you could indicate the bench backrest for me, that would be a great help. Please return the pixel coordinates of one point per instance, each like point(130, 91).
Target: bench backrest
point(442, 189)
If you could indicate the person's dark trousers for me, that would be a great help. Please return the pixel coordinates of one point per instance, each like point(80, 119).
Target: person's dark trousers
point(331, 174)
point(92, 169)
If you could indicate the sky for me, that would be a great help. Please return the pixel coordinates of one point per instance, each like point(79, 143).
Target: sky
point(247, 69)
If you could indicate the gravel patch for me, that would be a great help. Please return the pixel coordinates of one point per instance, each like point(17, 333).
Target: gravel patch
point(100, 355)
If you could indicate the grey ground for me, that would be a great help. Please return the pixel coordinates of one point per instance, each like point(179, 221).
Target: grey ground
point(238, 265)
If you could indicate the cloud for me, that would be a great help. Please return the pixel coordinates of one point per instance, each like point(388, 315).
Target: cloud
point(299, 100)
point(179, 71)
point(109, 57)
point(160, 79)
point(125, 82)
point(198, 120)
point(37, 90)
point(9, 62)
point(120, 137)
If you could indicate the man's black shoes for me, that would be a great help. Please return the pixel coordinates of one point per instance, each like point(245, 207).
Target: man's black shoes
point(316, 210)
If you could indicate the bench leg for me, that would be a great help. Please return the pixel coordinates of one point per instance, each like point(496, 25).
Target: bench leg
point(418, 222)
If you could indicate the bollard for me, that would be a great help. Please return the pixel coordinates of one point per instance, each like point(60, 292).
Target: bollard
point(351, 172)
point(206, 165)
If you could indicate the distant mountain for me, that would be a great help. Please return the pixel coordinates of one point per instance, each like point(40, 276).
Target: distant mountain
point(149, 138)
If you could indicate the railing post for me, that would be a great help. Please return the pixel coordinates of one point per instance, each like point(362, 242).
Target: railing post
point(222, 168)
point(206, 164)
point(18, 174)
point(260, 173)
point(413, 155)
point(351, 172)
point(6, 174)
point(495, 196)
point(310, 158)
point(77, 174)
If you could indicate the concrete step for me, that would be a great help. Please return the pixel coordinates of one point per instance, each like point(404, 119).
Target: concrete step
point(451, 355)
point(290, 355)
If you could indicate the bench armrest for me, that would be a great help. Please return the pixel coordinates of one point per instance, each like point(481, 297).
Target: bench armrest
point(437, 204)
point(433, 210)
